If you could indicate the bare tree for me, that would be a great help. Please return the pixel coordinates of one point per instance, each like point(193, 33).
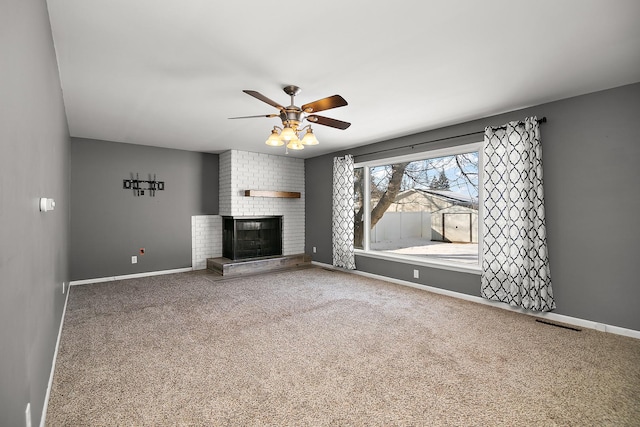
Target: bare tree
point(388, 197)
point(464, 162)
point(388, 181)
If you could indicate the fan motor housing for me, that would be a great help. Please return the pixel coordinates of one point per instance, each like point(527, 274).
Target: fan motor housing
point(291, 115)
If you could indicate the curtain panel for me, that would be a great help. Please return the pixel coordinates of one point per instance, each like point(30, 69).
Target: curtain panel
point(343, 213)
point(515, 264)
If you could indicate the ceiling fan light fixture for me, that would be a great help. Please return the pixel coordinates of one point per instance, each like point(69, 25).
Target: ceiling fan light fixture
point(274, 139)
point(309, 138)
point(293, 116)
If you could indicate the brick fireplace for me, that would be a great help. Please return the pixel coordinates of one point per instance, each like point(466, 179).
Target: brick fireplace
point(241, 171)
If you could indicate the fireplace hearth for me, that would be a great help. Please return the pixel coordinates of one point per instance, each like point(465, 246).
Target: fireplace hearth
point(250, 237)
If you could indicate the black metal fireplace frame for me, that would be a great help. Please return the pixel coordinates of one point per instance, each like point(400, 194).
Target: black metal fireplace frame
point(251, 237)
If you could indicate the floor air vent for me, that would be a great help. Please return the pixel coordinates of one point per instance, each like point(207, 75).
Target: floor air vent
point(558, 325)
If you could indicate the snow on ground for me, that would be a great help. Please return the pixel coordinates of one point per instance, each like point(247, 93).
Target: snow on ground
point(466, 253)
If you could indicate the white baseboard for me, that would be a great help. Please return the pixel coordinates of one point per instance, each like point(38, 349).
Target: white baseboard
point(575, 321)
point(129, 276)
point(53, 362)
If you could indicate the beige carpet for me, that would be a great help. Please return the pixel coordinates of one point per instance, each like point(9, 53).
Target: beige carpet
point(313, 347)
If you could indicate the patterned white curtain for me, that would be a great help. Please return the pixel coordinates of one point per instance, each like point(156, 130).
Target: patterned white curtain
point(515, 264)
point(343, 215)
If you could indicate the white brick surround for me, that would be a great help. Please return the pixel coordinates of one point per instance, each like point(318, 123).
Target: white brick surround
point(206, 239)
point(241, 170)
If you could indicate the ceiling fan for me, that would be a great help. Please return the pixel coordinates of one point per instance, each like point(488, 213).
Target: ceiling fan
point(293, 116)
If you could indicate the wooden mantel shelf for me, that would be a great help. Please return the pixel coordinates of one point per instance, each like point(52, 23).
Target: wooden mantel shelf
point(267, 193)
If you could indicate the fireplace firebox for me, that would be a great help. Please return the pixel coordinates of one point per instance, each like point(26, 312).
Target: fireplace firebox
point(250, 237)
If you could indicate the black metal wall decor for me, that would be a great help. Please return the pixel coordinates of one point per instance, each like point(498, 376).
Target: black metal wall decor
point(137, 185)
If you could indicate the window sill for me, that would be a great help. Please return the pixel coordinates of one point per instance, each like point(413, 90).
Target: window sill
point(413, 260)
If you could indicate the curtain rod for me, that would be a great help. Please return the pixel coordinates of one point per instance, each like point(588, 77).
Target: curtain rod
point(542, 120)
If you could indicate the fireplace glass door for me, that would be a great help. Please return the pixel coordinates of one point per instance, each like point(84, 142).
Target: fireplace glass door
point(251, 237)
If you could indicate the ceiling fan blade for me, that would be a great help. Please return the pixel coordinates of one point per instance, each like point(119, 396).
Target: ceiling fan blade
point(251, 117)
point(326, 121)
point(324, 104)
point(263, 98)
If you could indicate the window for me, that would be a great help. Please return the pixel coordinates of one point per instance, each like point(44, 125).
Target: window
point(424, 208)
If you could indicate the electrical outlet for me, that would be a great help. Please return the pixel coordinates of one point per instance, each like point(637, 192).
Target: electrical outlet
point(416, 274)
point(27, 415)
point(134, 259)
point(141, 251)
point(314, 249)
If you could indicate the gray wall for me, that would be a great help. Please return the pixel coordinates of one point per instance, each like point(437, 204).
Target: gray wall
point(591, 160)
point(34, 162)
point(109, 224)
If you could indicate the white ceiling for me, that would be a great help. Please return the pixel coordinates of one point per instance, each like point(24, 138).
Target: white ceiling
point(169, 73)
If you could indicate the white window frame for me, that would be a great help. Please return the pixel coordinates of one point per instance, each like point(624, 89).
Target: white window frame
point(415, 260)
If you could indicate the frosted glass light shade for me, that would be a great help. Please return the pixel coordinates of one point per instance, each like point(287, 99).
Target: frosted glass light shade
point(288, 134)
point(295, 145)
point(309, 138)
point(274, 139)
